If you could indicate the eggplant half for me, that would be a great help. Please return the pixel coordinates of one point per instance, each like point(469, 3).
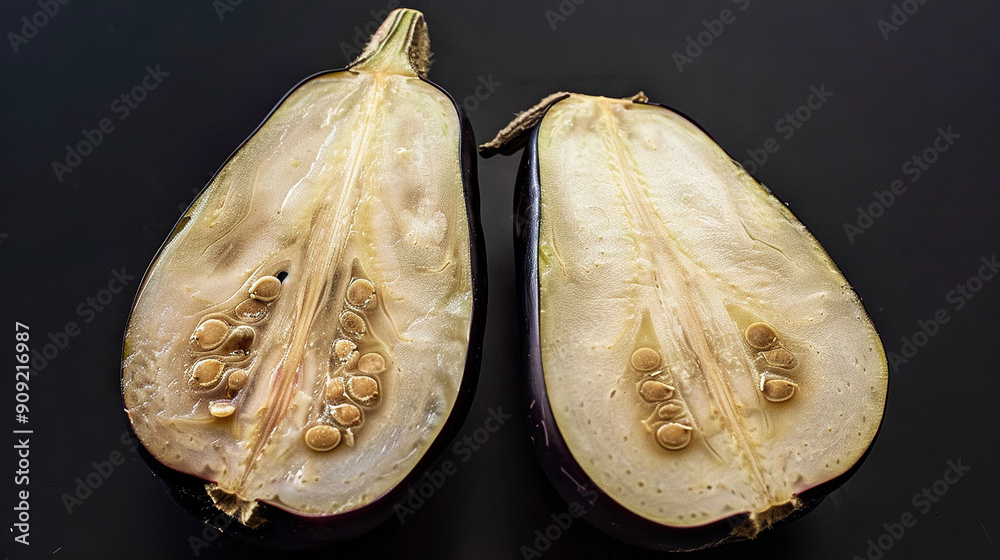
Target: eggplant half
point(694, 359)
point(311, 331)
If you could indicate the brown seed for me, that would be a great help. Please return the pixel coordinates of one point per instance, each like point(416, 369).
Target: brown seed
point(251, 310)
point(266, 289)
point(363, 389)
point(221, 409)
point(206, 373)
point(322, 437)
point(335, 389)
point(210, 334)
point(371, 363)
point(239, 340)
point(361, 293)
point(779, 357)
point(237, 379)
point(673, 436)
point(346, 415)
point(654, 391)
point(777, 389)
point(645, 359)
point(344, 349)
point(760, 336)
point(352, 323)
point(670, 410)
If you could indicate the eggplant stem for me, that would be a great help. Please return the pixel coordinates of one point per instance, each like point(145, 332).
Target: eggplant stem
point(399, 46)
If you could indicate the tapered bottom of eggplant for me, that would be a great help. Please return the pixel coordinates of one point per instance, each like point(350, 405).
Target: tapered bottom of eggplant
point(611, 518)
point(264, 524)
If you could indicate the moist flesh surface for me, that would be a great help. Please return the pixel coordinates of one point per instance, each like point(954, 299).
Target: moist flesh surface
point(302, 337)
point(702, 354)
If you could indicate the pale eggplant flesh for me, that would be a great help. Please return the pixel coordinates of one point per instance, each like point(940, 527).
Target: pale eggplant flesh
point(311, 331)
point(694, 359)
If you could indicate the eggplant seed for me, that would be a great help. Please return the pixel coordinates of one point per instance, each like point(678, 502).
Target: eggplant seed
point(251, 310)
point(777, 389)
point(361, 293)
point(207, 373)
point(760, 336)
point(335, 389)
point(353, 323)
point(645, 359)
point(779, 357)
point(363, 389)
point(221, 408)
point(266, 289)
point(654, 391)
point(346, 415)
point(670, 410)
point(210, 334)
point(344, 350)
point(673, 436)
point(322, 437)
point(237, 380)
point(371, 363)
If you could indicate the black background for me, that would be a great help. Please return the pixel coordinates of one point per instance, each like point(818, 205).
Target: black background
point(61, 240)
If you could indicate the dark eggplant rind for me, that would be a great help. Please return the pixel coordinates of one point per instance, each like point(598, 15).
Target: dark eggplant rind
point(369, 287)
point(605, 505)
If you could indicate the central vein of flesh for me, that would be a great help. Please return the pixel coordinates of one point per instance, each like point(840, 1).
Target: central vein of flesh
point(324, 252)
point(681, 288)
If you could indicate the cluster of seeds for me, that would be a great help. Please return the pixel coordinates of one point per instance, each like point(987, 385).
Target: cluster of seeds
point(769, 351)
point(223, 347)
point(353, 383)
point(670, 423)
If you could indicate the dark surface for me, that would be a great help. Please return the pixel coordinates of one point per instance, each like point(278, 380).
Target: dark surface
point(62, 240)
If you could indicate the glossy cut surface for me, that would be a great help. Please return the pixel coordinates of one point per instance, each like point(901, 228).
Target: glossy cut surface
point(302, 336)
point(703, 357)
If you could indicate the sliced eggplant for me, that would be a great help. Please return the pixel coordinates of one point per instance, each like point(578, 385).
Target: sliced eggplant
point(693, 356)
point(312, 329)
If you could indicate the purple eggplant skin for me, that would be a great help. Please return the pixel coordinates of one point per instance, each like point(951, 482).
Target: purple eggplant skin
point(282, 529)
point(559, 464)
